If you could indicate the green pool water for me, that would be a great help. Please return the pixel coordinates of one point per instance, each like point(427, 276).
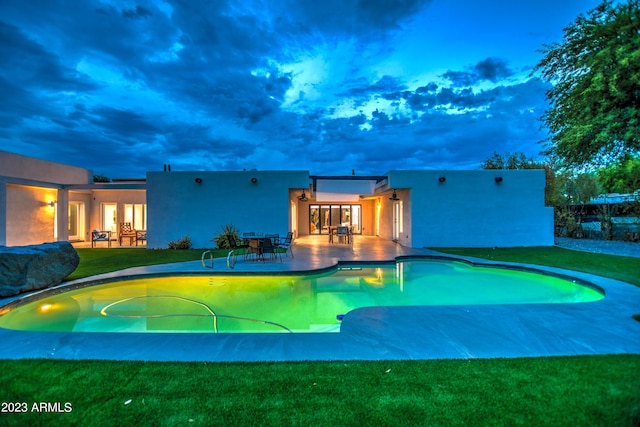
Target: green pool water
point(282, 303)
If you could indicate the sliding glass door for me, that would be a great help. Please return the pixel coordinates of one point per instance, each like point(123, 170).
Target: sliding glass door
point(322, 217)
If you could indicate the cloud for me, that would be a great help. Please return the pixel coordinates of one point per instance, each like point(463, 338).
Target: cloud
point(226, 85)
point(371, 18)
point(491, 69)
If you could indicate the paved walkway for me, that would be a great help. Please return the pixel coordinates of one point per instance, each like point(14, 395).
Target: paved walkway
point(369, 333)
point(611, 247)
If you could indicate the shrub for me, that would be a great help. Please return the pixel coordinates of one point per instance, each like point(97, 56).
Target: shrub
point(221, 240)
point(183, 243)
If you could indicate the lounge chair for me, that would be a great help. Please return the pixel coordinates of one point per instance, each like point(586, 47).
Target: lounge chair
point(100, 236)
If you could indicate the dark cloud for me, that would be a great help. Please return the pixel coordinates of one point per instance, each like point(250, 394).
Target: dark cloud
point(358, 17)
point(491, 69)
point(201, 85)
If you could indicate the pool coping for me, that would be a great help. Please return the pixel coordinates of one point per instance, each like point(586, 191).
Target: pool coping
point(373, 333)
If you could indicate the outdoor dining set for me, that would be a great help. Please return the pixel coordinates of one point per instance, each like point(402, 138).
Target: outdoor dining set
point(259, 247)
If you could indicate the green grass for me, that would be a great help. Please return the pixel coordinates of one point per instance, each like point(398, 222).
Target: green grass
point(616, 267)
point(569, 391)
point(102, 260)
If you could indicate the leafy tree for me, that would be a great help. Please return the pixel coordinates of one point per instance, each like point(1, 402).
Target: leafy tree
point(594, 114)
point(100, 178)
point(520, 161)
point(511, 161)
point(622, 177)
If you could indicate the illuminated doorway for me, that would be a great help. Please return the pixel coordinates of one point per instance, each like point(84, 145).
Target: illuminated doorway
point(322, 217)
point(76, 221)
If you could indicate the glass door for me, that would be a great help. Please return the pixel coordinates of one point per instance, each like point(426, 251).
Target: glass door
point(76, 221)
point(110, 217)
point(323, 217)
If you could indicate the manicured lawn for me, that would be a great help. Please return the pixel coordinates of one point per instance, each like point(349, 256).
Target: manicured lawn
point(571, 391)
point(554, 391)
point(103, 260)
point(625, 269)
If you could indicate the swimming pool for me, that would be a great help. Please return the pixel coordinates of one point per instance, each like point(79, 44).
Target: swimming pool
point(318, 302)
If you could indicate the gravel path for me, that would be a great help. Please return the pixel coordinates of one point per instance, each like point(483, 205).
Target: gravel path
point(611, 247)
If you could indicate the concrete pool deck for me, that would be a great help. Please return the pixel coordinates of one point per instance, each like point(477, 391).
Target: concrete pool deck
point(372, 333)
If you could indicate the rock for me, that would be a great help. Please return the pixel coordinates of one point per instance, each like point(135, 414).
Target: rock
point(34, 267)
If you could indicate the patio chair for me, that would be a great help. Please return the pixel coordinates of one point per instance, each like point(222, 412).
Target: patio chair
point(246, 236)
point(342, 233)
point(141, 235)
point(268, 248)
point(234, 245)
point(126, 232)
point(286, 244)
point(100, 236)
point(275, 238)
point(254, 248)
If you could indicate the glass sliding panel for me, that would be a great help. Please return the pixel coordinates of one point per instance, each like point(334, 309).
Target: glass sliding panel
point(128, 214)
point(314, 219)
point(76, 221)
point(138, 217)
point(335, 215)
point(110, 216)
point(345, 215)
point(356, 220)
point(73, 220)
point(324, 219)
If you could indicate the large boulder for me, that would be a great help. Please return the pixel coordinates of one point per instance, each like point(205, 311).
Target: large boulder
point(34, 267)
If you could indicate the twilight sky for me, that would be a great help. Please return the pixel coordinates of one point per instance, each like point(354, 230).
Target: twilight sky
point(122, 87)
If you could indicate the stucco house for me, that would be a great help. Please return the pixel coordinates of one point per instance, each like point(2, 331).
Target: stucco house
point(43, 201)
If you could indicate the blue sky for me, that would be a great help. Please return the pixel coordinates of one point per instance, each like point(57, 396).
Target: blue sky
point(124, 87)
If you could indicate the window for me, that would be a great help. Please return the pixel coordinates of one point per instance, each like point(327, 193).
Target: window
point(136, 215)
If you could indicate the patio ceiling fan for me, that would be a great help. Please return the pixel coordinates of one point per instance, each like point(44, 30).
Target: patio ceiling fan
point(394, 197)
point(303, 197)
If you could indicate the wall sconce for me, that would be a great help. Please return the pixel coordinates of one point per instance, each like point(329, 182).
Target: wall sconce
point(394, 197)
point(442, 179)
point(303, 197)
point(51, 204)
point(498, 179)
point(198, 180)
point(254, 180)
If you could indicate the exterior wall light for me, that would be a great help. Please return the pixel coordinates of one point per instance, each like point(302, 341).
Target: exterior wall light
point(254, 180)
point(51, 204)
point(198, 180)
point(498, 179)
point(442, 179)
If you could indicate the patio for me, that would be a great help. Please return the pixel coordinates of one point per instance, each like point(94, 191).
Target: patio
point(370, 333)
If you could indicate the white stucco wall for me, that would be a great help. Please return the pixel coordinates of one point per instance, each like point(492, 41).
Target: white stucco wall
point(18, 166)
point(470, 209)
point(178, 206)
point(28, 185)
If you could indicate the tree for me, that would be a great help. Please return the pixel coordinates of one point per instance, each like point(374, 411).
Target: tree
point(622, 177)
point(594, 114)
point(100, 178)
point(520, 161)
